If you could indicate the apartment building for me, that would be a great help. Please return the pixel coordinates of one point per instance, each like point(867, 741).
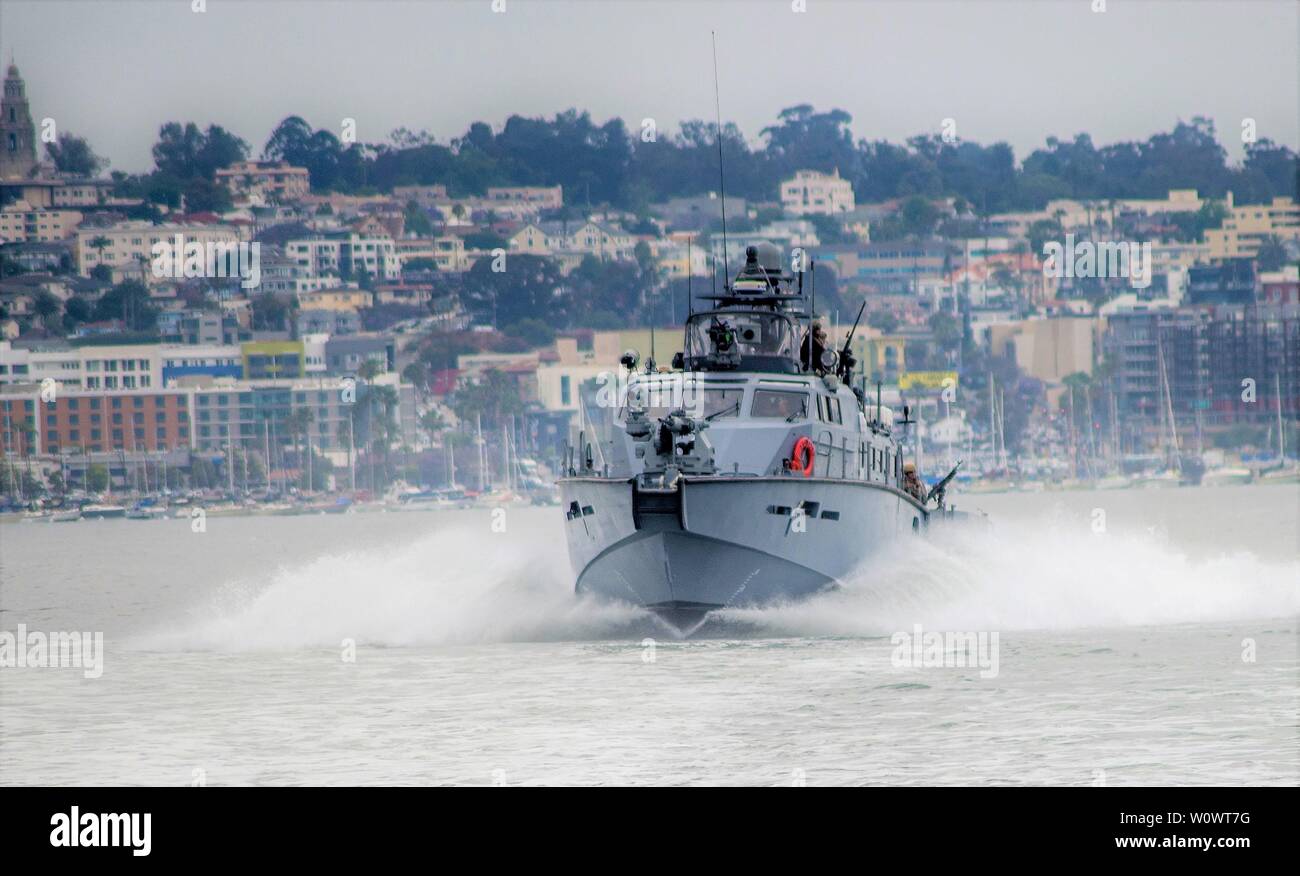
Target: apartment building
point(254, 413)
point(447, 252)
point(1206, 354)
point(80, 421)
point(811, 192)
point(894, 266)
point(205, 360)
point(261, 182)
point(20, 222)
point(91, 367)
point(128, 246)
point(346, 254)
point(1247, 226)
point(539, 197)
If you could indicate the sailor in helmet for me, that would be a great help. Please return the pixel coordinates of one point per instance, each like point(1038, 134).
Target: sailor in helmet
point(813, 346)
point(911, 483)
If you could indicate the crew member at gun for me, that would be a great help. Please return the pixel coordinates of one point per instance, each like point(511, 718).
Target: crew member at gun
point(911, 483)
point(818, 341)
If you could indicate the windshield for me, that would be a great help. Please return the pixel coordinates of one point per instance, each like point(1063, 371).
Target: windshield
point(779, 403)
point(748, 333)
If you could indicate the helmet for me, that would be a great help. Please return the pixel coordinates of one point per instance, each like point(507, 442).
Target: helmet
point(909, 467)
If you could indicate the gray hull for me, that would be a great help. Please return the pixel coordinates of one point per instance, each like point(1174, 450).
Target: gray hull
point(719, 542)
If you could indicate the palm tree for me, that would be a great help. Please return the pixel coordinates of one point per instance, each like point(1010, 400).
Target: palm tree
point(46, 306)
point(99, 244)
point(434, 424)
point(298, 423)
point(366, 373)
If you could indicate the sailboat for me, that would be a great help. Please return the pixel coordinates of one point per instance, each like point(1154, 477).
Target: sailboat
point(1282, 473)
point(1115, 479)
point(1171, 476)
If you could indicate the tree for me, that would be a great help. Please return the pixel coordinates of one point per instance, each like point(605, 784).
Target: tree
point(597, 288)
point(1272, 254)
point(96, 478)
point(320, 152)
point(884, 320)
point(76, 310)
point(1041, 232)
point(918, 216)
point(270, 313)
point(533, 332)
point(186, 153)
point(99, 243)
point(485, 240)
point(433, 423)
point(206, 196)
point(417, 374)
point(493, 398)
point(946, 329)
point(421, 264)
point(46, 306)
point(129, 302)
point(529, 287)
point(72, 154)
point(417, 221)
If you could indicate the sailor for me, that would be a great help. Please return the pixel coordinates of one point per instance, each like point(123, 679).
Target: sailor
point(818, 340)
point(911, 483)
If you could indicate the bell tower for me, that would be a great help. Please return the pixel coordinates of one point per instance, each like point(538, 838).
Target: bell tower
point(17, 133)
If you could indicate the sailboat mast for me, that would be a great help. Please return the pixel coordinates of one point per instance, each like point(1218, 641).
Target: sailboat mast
point(1169, 409)
point(1281, 432)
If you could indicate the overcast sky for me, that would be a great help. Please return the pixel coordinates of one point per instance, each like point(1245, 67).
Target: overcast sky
point(1018, 71)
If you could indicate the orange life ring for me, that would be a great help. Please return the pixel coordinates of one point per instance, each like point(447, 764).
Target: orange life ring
point(803, 448)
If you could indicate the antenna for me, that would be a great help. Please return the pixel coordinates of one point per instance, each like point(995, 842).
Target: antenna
point(812, 283)
point(690, 269)
point(651, 366)
point(722, 180)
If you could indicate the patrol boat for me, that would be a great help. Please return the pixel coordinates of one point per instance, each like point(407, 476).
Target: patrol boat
point(751, 473)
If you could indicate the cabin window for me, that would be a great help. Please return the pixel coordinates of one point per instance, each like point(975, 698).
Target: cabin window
point(828, 409)
point(722, 402)
point(771, 403)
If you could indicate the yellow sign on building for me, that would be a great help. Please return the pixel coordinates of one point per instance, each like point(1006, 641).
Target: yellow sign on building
point(926, 379)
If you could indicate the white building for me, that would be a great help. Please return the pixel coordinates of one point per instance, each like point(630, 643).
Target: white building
point(338, 253)
point(131, 366)
point(128, 246)
point(812, 192)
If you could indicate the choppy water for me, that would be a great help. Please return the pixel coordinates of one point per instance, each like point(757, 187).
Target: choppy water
point(1120, 658)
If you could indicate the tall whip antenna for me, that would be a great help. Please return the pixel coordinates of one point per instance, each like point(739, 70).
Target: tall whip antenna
point(690, 300)
point(722, 179)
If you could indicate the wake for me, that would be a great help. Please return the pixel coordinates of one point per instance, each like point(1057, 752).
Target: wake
point(463, 586)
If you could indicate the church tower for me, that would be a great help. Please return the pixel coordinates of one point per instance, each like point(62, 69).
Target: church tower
point(17, 133)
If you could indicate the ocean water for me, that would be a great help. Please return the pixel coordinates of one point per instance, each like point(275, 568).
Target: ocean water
point(1143, 637)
